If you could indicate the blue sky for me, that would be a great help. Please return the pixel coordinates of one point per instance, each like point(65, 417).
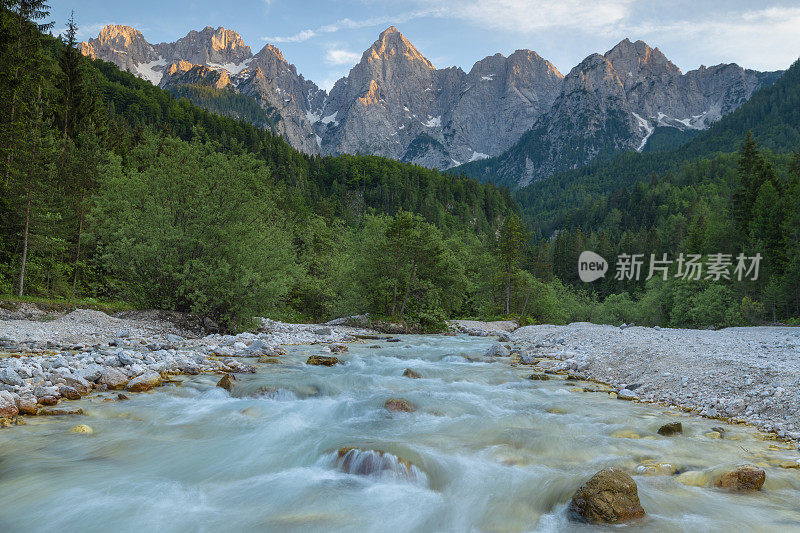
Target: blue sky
point(325, 38)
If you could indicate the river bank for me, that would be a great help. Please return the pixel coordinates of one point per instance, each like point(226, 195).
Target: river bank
point(45, 362)
point(745, 374)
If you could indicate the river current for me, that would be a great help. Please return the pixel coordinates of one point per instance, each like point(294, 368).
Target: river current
point(486, 450)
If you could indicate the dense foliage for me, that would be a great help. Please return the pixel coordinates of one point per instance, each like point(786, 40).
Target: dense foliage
point(113, 188)
point(227, 103)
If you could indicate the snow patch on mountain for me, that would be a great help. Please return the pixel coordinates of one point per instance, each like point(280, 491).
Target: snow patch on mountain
point(647, 127)
point(148, 72)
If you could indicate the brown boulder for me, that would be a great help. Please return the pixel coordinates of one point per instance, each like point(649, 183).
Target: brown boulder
point(743, 478)
point(227, 382)
point(60, 412)
point(69, 392)
point(8, 405)
point(145, 382)
point(668, 430)
point(338, 348)
point(609, 497)
point(411, 374)
point(27, 404)
point(322, 360)
point(399, 404)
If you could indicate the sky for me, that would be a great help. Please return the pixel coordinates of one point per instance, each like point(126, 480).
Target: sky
point(325, 38)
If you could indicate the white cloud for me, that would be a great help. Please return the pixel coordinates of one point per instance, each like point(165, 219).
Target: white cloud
point(526, 16)
point(338, 56)
point(349, 24)
point(766, 39)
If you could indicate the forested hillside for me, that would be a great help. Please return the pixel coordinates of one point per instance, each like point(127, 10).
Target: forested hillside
point(732, 189)
point(114, 189)
point(772, 115)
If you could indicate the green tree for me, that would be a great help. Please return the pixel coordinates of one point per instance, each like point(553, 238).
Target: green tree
point(511, 244)
point(194, 230)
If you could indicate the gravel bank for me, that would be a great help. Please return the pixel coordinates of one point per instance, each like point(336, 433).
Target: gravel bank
point(477, 328)
point(747, 374)
point(44, 362)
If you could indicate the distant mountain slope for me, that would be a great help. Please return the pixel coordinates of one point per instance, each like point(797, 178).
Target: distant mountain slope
point(222, 55)
point(772, 114)
point(615, 102)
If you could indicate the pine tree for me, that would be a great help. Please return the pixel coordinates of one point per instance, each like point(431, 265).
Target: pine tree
point(510, 246)
point(71, 84)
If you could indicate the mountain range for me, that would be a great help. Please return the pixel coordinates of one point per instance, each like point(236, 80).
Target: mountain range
point(513, 120)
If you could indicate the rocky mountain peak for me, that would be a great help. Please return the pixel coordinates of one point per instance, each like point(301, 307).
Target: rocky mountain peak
point(209, 46)
point(632, 60)
point(392, 44)
point(122, 45)
point(119, 35)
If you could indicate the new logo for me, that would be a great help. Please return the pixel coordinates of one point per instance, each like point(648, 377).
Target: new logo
point(591, 267)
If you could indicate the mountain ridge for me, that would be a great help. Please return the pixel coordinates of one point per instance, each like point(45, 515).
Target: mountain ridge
point(395, 103)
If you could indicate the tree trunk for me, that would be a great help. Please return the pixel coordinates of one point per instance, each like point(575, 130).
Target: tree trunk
point(26, 232)
point(408, 287)
point(396, 275)
point(508, 292)
point(525, 305)
point(78, 249)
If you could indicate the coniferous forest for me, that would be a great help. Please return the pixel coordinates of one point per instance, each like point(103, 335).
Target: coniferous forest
point(114, 190)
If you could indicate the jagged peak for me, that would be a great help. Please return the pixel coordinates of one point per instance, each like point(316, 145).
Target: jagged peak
point(392, 43)
point(219, 38)
point(272, 50)
point(643, 52)
point(111, 32)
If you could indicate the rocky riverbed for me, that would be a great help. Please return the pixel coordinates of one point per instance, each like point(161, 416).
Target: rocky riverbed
point(743, 374)
point(45, 362)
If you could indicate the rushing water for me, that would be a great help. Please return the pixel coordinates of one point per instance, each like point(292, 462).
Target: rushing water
point(487, 450)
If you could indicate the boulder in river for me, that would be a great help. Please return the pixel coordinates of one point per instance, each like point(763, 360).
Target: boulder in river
point(497, 350)
point(82, 428)
point(668, 430)
point(60, 412)
point(375, 462)
point(742, 479)
point(338, 348)
point(625, 394)
point(145, 382)
point(8, 405)
point(69, 392)
point(411, 374)
point(400, 404)
point(113, 378)
point(609, 497)
point(539, 376)
point(227, 382)
point(78, 383)
point(27, 404)
point(322, 360)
